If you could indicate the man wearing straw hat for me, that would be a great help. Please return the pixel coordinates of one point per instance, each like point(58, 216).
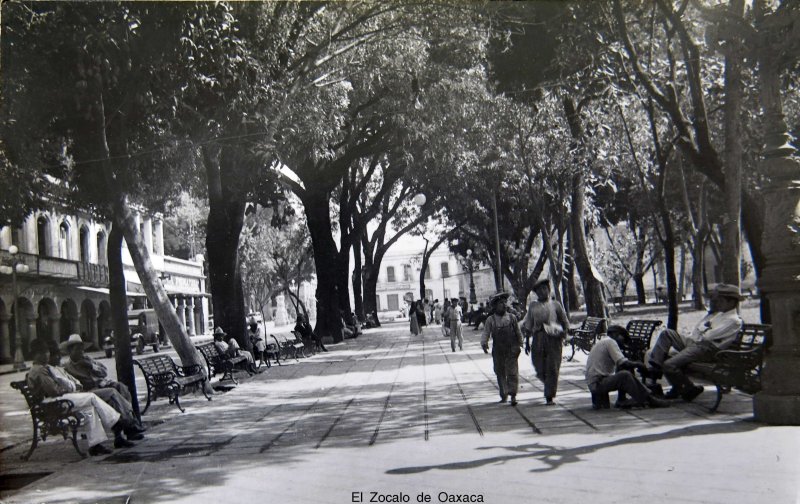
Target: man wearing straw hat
point(93, 377)
point(503, 328)
point(716, 331)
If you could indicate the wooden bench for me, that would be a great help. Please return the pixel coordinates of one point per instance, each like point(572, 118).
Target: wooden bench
point(739, 366)
point(166, 379)
point(640, 334)
point(584, 337)
point(290, 347)
point(218, 363)
point(50, 417)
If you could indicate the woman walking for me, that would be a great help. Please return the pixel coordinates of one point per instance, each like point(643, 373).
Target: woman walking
point(547, 322)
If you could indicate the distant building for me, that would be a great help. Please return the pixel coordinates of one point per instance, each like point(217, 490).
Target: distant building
point(445, 278)
point(65, 290)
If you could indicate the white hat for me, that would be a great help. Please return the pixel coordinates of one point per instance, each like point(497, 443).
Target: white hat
point(73, 339)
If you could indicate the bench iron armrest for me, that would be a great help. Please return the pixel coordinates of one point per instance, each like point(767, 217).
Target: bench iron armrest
point(57, 408)
point(189, 370)
point(744, 359)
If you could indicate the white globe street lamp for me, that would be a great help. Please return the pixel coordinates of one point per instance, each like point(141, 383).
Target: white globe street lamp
point(420, 199)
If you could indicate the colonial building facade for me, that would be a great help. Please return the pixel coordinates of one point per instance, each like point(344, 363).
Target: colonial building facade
point(65, 288)
point(445, 278)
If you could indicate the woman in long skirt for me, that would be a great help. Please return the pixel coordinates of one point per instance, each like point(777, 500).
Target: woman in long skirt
point(412, 317)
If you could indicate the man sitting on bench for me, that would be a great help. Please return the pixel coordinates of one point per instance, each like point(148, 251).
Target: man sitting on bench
point(715, 332)
point(608, 370)
point(232, 349)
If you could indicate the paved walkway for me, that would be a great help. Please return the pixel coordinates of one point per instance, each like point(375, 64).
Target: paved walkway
point(404, 416)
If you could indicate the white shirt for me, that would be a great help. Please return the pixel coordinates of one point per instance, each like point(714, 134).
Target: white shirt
point(718, 328)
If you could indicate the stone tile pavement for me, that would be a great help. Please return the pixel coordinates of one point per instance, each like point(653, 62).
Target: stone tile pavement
point(406, 418)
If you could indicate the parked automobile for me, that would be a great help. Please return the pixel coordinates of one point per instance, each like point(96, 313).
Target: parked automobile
point(144, 330)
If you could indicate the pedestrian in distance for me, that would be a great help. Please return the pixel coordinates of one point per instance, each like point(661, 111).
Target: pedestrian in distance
point(456, 329)
point(546, 322)
point(503, 329)
point(413, 319)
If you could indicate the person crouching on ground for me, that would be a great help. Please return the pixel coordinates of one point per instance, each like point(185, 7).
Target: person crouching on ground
point(546, 321)
point(93, 377)
point(716, 331)
point(232, 349)
point(503, 329)
point(608, 370)
point(50, 381)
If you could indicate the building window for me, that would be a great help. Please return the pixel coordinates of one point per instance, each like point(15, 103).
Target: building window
point(390, 274)
point(63, 240)
point(42, 233)
point(84, 236)
point(445, 270)
point(393, 301)
point(406, 272)
point(101, 248)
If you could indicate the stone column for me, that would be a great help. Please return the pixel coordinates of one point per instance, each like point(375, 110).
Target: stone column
point(181, 310)
point(190, 315)
point(779, 400)
point(5, 339)
point(147, 232)
point(281, 317)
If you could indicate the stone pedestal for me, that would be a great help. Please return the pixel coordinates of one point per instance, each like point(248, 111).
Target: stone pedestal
point(281, 317)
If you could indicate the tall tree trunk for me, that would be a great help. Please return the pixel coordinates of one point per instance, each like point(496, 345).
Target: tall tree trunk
point(682, 274)
point(592, 287)
point(318, 218)
point(223, 229)
point(570, 287)
point(356, 279)
point(698, 252)
point(370, 278)
point(117, 288)
point(731, 242)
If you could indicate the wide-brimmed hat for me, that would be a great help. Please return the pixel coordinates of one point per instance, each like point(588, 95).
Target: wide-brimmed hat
point(74, 339)
point(499, 296)
point(727, 290)
point(541, 281)
point(219, 332)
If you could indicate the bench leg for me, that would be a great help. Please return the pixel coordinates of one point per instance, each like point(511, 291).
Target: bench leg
point(147, 401)
point(720, 391)
point(573, 352)
point(177, 400)
point(75, 442)
point(203, 388)
point(34, 442)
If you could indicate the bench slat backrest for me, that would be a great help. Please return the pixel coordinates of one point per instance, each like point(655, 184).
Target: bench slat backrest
point(595, 325)
point(32, 399)
point(642, 329)
point(752, 336)
point(157, 364)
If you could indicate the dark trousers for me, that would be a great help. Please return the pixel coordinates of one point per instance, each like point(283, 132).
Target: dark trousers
point(546, 357)
point(623, 381)
point(506, 369)
point(688, 352)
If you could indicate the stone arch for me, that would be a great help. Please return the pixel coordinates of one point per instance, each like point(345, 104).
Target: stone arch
point(47, 320)
point(87, 324)
point(27, 325)
point(102, 256)
point(69, 319)
point(104, 325)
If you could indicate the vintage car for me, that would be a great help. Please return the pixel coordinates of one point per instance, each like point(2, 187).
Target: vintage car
point(144, 330)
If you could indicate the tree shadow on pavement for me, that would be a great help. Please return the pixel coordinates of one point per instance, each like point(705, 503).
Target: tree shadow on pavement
point(554, 457)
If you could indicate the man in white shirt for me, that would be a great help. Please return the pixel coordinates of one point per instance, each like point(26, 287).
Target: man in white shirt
point(715, 332)
point(608, 370)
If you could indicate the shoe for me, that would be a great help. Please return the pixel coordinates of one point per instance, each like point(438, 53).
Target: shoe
point(134, 436)
point(655, 402)
point(513, 400)
point(692, 392)
point(503, 399)
point(674, 393)
point(549, 401)
point(600, 401)
point(121, 442)
point(626, 404)
point(99, 449)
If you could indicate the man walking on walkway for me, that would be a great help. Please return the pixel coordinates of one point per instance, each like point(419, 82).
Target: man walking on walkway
point(503, 328)
point(454, 314)
point(547, 322)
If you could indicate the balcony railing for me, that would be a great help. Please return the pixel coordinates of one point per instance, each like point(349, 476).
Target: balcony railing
point(63, 270)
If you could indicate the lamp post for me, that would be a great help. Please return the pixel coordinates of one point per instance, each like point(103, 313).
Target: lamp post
point(15, 267)
point(472, 297)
